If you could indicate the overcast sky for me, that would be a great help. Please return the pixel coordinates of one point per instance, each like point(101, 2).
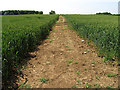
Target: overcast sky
point(62, 6)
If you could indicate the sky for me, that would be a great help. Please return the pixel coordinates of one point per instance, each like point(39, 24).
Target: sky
point(62, 6)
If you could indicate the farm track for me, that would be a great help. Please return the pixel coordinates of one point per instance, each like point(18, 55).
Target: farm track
point(65, 61)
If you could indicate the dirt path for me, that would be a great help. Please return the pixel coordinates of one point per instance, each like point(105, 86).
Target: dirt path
point(65, 61)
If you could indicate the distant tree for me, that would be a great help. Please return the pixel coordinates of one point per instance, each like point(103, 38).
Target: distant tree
point(11, 13)
point(52, 12)
point(40, 12)
point(0, 12)
point(15, 12)
point(6, 13)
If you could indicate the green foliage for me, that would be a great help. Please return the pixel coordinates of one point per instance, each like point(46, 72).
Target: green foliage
point(111, 75)
point(77, 72)
point(49, 63)
point(51, 41)
point(70, 61)
point(69, 49)
point(21, 34)
point(100, 29)
point(76, 62)
point(43, 80)
point(25, 86)
point(93, 62)
point(108, 87)
point(78, 81)
point(88, 85)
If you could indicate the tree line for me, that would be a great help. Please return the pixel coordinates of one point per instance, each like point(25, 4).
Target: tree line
point(104, 13)
point(107, 13)
point(19, 12)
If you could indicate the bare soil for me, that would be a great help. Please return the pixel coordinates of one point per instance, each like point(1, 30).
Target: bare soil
point(64, 60)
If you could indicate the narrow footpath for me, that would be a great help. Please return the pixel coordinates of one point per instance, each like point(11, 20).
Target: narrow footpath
point(64, 60)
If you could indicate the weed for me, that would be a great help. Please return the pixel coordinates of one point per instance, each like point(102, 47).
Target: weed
point(78, 81)
point(76, 62)
point(69, 49)
point(25, 86)
point(111, 75)
point(93, 62)
point(44, 80)
point(85, 69)
point(51, 41)
point(70, 61)
point(108, 87)
point(97, 77)
point(88, 85)
point(49, 63)
point(77, 72)
point(64, 29)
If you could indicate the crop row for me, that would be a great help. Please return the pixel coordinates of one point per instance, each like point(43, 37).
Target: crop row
point(20, 34)
point(100, 29)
